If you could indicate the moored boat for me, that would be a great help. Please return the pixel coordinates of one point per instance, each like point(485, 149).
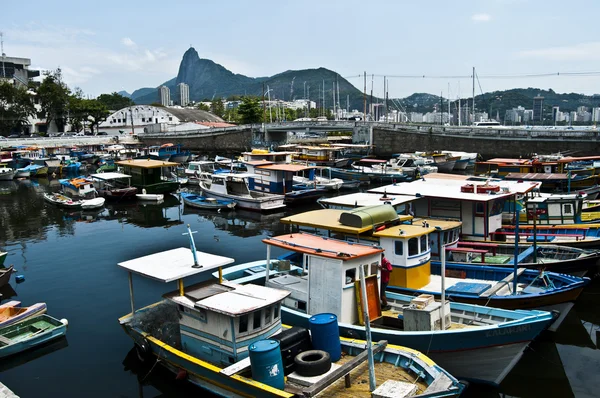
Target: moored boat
point(210, 333)
point(202, 202)
point(11, 313)
point(6, 173)
point(113, 186)
point(91, 204)
point(62, 200)
point(30, 333)
point(153, 197)
point(5, 274)
point(3, 257)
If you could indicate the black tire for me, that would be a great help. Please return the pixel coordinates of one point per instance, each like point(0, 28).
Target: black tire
point(312, 363)
point(143, 350)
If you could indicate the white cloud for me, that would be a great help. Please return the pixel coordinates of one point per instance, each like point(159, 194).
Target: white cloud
point(127, 42)
point(481, 17)
point(589, 51)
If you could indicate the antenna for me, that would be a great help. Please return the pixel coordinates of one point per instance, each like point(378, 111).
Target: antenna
point(3, 54)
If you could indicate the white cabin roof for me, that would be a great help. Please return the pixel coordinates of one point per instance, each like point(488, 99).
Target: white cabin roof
point(243, 299)
point(233, 175)
point(174, 264)
point(360, 199)
point(110, 176)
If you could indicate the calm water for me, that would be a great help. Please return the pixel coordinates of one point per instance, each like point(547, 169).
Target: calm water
point(69, 261)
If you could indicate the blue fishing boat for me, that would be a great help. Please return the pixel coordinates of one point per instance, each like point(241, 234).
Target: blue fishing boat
point(203, 202)
point(30, 333)
point(470, 341)
point(229, 339)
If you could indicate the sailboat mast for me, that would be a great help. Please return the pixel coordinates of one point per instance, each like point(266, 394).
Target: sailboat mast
point(473, 110)
point(365, 99)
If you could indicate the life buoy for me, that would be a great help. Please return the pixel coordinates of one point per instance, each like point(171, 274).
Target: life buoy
point(312, 363)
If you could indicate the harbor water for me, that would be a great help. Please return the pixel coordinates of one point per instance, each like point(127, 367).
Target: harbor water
point(69, 260)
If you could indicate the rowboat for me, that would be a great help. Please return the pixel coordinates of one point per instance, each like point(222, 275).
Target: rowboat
point(5, 274)
point(208, 332)
point(3, 257)
point(6, 174)
point(202, 202)
point(30, 333)
point(62, 201)
point(90, 204)
point(11, 313)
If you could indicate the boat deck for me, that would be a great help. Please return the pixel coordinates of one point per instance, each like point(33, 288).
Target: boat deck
point(360, 379)
point(435, 283)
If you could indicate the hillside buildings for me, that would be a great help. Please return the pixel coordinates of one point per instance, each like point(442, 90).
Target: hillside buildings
point(538, 108)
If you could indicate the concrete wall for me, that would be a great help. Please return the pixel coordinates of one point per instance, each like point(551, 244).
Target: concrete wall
point(488, 143)
point(215, 141)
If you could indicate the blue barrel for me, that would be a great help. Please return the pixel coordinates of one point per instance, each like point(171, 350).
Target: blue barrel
point(266, 363)
point(326, 335)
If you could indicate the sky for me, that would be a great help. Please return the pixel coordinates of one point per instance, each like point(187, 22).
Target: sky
point(112, 46)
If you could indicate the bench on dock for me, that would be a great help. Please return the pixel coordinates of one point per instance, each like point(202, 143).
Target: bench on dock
point(500, 284)
point(480, 245)
point(468, 250)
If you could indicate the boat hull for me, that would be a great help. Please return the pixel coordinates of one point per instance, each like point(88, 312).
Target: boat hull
point(7, 175)
point(201, 202)
point(38, 338)
point(118, 194)
point(256, 204)
point(5, 274)
point(31, 311)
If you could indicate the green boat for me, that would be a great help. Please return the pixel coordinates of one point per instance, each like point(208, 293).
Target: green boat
point(3, 257)
point(30, 333)
point(151, 175)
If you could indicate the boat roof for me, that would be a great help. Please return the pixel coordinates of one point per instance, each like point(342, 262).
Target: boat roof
point(268, 153)
point(285, 167)
point(322, 246)
point(146, 163)
point(508, 160)
point(329, 219)
point(243, 299)
point(258, 162)
point(232, 175)
point(538, 176)
point(199, 162)
point(369, 160)
point(174, 264)
point(570, 159)
point(367, 199)
point(109, 176)
point(405, 231)
point(451, 189)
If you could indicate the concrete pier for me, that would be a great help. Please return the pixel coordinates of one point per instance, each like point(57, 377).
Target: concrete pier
point(5, 392)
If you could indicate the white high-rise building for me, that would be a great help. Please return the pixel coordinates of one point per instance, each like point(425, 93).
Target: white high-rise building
point(165, 95)
point(184, 94)
point(596, 114)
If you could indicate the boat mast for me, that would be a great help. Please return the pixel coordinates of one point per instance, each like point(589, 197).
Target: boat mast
point(365, 99)
point(473, 110)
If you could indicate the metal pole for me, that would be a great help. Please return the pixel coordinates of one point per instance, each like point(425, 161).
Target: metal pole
point(365, 309)
point(443, 275)
point(268, 264)
point(131, 292)
point(534, 234)
point(516, 265)
point(473, 110)
point(365, 99)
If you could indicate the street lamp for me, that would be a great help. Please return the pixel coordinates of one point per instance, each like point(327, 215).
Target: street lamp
point(442, 273)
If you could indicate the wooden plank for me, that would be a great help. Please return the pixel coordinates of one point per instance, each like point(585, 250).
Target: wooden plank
point(499, 285)
point(342, 370)
point(236, 367)
point(5, 340)
point(441, 383)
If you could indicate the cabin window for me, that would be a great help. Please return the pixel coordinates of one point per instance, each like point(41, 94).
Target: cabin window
point(218, 181)
point(350, 276)
point(267, 315)
point(257, 319)
point(301, 305)
point(479, 209)
point(568, 209)
point(413, 246)
point(276, 311)
point(262, 172)
point(423, 243)
point(374, 268)
point(143, 119)
point(243, 328)
point(398, 248)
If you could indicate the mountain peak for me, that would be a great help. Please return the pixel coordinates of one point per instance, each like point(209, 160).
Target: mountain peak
point(190, 53)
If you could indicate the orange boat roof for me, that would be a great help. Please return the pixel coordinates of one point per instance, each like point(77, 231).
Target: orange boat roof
point(322, 246)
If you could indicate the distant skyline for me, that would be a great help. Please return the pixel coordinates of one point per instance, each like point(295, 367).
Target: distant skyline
point(129, 45)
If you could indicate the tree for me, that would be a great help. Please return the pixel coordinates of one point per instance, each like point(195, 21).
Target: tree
point(16, 107)
point(53, 96)
point(115, 101)
point(203, 107)
point(97, 113)
point(217, 107)
point(250, 110)
point(77, 112)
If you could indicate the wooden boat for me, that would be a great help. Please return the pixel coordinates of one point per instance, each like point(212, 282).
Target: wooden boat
point(150, 175)
point(3, 257)
point(11, 313)
point(6, 173)
point(203, 202)
point(303, 194)
point(149, 196)
point(62, 201)
point(205, 332)
point(236, 187)
point(350, 184)
point(5, 274)
point(113, 186)
point(480, 343)
point(319, 178)
point(78, 188)
point(30, 333)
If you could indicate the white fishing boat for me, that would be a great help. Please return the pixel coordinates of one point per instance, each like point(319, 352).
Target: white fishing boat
point(95, 203)
point(235, 187)
point(6, 173)
point(62, 200)
point(319, 178)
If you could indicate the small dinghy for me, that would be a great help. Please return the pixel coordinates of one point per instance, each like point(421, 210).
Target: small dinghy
point(62, 200)
point(90, 204)
point(202, 202)
point(5, 274)
point(30, 333)
point(150, 196)
point(11, 313)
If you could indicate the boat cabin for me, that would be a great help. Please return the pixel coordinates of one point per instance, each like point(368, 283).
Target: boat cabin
point(264, 154)
point(150, 175)
point(402, 203)
point(200, 168)
point(273, 178)
point(216, 321)
point(79, 187)
point(332, 270)
point(230, 184)
point(555, 209)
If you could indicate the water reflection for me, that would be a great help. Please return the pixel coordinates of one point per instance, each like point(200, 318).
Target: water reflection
point(146, 214)
point(241, 223)
point(30, 355)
